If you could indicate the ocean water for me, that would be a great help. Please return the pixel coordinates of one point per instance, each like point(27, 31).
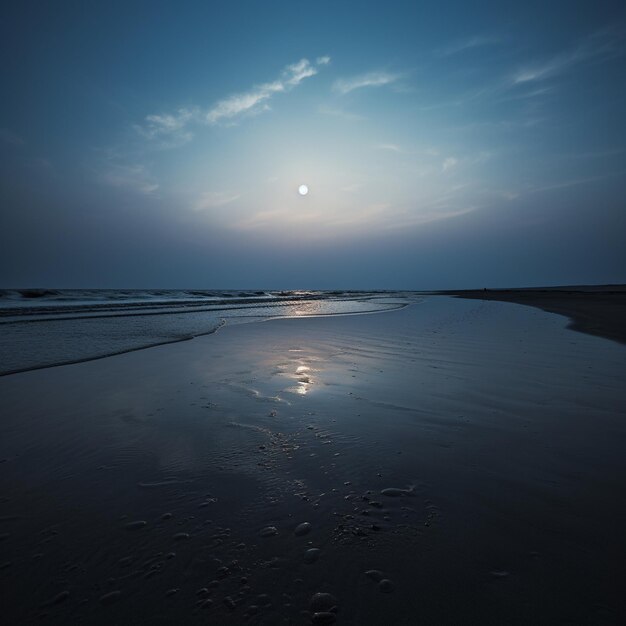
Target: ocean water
point(45, 327)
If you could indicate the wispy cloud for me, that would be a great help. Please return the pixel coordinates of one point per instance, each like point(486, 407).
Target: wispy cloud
point(169, 126)
point(389, 147)
point(249, 101)
point(7, 136)
point(371, 79)
point(448, 164)
point(600, 46)
point(173, 128)
point(467, 44)
point(131, 176)
point(215, 199)
point(346, 115)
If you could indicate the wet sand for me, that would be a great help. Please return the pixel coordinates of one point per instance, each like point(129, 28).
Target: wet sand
point(453, 462)
point(599, 310)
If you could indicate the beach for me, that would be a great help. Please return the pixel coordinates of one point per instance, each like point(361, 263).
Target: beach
point(454, 461)
point(599, 310)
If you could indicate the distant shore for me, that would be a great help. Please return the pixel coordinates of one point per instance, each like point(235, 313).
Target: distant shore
point(596, 310)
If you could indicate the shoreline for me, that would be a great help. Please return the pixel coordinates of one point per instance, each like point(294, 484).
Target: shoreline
point(222, 324)
point(593, 311)
point(236, 477)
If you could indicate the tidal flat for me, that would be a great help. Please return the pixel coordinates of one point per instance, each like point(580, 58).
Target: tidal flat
point(451, 462)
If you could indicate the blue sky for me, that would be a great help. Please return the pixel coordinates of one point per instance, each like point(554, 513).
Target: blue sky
point(150, 144)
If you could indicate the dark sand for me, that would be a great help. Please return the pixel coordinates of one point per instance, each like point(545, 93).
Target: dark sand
point(458, 462)
point(597, 310)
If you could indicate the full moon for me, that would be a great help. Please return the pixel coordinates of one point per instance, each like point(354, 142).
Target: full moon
point(303, 190)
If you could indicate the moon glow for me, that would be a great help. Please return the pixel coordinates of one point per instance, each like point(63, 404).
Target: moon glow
point(303, 190)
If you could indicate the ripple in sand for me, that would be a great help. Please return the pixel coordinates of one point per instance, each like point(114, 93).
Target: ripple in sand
point(396, 492)
point(181, 536)
point(111, 597)
point(264, 600)
point(136, 524)
point(302, 529)
point(268, 531)
point(60, 597)
point(163, 483)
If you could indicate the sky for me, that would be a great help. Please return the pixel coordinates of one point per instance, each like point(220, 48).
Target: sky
point(445, 145)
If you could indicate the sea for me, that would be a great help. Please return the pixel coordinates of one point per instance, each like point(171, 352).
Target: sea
point(46, 327)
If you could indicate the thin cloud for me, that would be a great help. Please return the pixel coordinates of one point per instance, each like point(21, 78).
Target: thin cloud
point(346, 115)
point(371, 79)
point(130, 176)
point(389, 147)
point(170, 126)
point(215, 199)
point(174, 127)
point(598, 47)
point(10, 137)
point(467, 44)
point(248, 102)
point(448, 164)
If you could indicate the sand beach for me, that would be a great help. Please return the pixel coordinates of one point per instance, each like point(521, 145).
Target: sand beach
point(453, 462)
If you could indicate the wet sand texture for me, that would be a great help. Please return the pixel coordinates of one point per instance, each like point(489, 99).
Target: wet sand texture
point(454, 462)
point(599, 311)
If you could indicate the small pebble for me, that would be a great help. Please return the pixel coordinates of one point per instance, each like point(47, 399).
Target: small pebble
point(302, 529)
point(375, 575)
point(269, 531)
point(171, 592)
point(323, 617)
point(322, 602)
point(386, 586)
point(311, 555)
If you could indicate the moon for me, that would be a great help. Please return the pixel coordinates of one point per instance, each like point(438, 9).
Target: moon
point(303, 190)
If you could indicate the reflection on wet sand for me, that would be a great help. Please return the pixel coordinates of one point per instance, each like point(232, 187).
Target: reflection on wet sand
point(350, 470)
